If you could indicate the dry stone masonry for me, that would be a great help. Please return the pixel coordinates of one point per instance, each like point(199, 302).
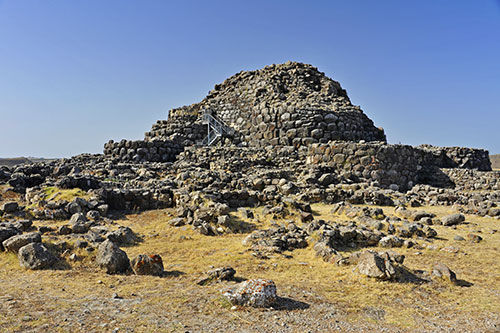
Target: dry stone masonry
point(294, 139)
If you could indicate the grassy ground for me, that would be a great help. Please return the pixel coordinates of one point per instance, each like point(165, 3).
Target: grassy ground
point(57, 194)
point(176, 303)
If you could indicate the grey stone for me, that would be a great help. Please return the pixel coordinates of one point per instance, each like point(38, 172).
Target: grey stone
point(258, 293)
point(6, 233)
point(13, 244)
point(123, 236)
point(111, 258)
point(391, 241)
point(373, 265)
point(77, 218)
point(9, 207)
point(36, 256)
point(453, 219)
point(442, 271)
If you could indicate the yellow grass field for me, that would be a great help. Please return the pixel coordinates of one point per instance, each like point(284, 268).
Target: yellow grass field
point(44, 299)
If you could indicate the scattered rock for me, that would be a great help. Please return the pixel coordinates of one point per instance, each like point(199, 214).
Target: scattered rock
point(471, 237)
point(6, 233)
point(111, 258)
point(13, 244)
point(257, 293)
point(123, 236)
point(391, 241)
point(453, 219)
point(147, 264)
point(36, 256)
point(9, 207)
point(442, 271)
point(222, 273)
point(64, 230)
point(373, 265)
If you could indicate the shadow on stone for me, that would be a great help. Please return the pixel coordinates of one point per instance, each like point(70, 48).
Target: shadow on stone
point(174, 273)
point(406, 276)
point(463, 283)
point(285, 303)
point(61, 265)
point(239, 226)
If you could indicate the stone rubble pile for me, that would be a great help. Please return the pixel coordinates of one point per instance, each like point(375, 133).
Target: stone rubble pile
point(297, 140)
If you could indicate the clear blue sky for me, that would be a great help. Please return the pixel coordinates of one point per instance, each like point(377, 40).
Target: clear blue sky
point(76, 73)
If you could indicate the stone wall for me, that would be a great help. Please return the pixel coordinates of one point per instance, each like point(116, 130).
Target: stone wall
point(141, 151)
point(458, 157)
point(401, 165)
point(473, 180)
point(395, 166)
point(287, 104)
point(238, 158)
point(185, 129)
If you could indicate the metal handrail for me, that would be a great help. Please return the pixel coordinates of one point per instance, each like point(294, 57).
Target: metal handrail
point(216, 128)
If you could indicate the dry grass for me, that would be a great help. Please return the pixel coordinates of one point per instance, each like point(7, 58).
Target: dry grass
point(57, 194)
point(187, 254)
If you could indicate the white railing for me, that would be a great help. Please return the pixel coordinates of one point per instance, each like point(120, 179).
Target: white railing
point(216, 128)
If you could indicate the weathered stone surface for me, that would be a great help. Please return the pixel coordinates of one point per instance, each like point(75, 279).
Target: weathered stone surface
point(147, 264)
point(9, 207)
point(391, 241)
point(221, 273)
point(6, 233)
point(123, 236)
point(442, 271)
point(471, 237)
point(452, 219)
point(257, 293)
point(36, 256)
point(13, 244)
point(111, 258)
point(373, 265)
point(64, 230)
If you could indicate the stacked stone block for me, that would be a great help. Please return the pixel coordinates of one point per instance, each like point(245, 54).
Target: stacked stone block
point(458, 157)
point(183, 129)
point(395, 166)
point(289, 104)
point(143, 151)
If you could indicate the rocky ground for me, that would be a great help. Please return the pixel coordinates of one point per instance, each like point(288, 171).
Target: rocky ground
point(94, 244)
point(283, 224)
point(313, 294)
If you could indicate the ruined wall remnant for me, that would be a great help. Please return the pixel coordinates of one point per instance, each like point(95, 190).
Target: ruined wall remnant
point(142, 151)
point(293, 113)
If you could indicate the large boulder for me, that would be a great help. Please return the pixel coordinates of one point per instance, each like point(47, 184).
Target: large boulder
point(123, 236)
point(79, 223)
point(9, 207)
point(258, 293)
point(453, 219)
point(443, 272)
point(36, 256)
point(373, 265)
point(13, 244)
point(147, 264)
point(221, 273)
point(391, 241)
point(111, 258)
point(6, 233)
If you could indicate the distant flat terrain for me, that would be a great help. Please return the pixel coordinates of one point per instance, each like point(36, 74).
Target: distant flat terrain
point(21, 160)
point(495, 161)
